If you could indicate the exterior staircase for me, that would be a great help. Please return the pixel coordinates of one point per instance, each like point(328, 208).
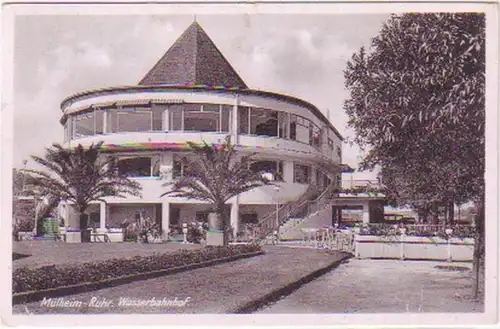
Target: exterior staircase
point(292, 214)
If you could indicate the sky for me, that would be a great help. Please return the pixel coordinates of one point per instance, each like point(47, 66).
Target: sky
point(299, 55)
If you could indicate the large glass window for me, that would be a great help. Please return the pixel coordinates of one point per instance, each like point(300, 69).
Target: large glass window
point(66, 130)
point(225, 119)
point(180, 167)
point(301, 173)
point(176, 117)
point(131, 119)
point(315, 134)
point(201, 117)
point(243, 120)
point(135, 167)
point(269, 166)
point(283, 121)
point(158, 112)
point(263, 122)
point(99, 121)
point(83, 125)
point(300, 129)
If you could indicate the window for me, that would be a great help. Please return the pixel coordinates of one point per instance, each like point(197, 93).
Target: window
point(176, 117)
point(131, 119)
point(157, 111)
point(249, 218)
point(83, 124)
point(301, 173)
point(243, 120)
point(330, 143)
point(273, 167)
point(300, 129)
point(179, 167)
point(319, 181)
point(225, 118)
point(339, 151)
point(99, 121)
point(283, 119)
point(66, 130)
point(315, 135)
point(201, 117)
point(135, 167)
point(264, 122)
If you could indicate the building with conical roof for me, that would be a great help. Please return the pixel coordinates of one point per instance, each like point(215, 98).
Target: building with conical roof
point(194, 94)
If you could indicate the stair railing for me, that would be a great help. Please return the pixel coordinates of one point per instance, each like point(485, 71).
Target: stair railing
point(305, 208)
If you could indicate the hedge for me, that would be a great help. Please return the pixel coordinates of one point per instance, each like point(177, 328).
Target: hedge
point(47, 277)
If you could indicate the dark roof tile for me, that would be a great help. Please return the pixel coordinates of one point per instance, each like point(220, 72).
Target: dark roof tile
point(193, 60)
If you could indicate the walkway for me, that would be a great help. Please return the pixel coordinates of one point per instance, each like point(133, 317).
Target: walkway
point(218, 289)
point(384, 286)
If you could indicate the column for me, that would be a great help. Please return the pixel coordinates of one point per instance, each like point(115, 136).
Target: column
point(167, 166)
point(288, 171)
point(105, 121)
point(234, 122)
point(102, 217)
point(235, 218)
point(366, 212)
point(165, 219)
point(166, 119)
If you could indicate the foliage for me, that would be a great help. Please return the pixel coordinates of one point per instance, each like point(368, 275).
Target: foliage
point(79, 176)
point(215, 175)
point(148, 229)
point(197, 232)
point(32, 279)
point(417, 105)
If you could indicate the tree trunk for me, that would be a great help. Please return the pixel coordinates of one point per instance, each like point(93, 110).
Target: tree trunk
point(478, 285)
point(451, 213)
point(84, 220)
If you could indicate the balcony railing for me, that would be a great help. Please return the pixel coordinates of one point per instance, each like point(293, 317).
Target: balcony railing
point(356, 183)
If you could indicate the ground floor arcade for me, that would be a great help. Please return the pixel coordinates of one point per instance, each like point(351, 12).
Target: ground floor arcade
point(168, 216)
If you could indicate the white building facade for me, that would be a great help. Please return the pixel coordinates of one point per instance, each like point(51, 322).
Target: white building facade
point(193, 94)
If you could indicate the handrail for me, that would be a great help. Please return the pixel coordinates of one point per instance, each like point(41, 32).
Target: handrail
point(272, 215)
point(267, 224)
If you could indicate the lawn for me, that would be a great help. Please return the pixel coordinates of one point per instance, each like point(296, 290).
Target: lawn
point(40, 253)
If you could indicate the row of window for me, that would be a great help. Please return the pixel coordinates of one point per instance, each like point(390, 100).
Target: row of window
point(196, 117)
point(150, 167)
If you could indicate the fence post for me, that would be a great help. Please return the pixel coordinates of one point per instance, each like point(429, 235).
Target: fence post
point(448, 232)
point(402, 239)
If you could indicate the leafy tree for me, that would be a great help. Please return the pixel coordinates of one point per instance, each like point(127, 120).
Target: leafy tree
point(417, 108)
point(213, 174)
point(79, 176)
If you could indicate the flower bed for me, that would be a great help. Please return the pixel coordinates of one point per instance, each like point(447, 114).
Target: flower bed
point(47, 277)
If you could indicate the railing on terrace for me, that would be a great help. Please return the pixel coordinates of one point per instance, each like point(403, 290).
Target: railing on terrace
point(325, 238)
point(355, 183)
point(300, 208)
point(422, 230)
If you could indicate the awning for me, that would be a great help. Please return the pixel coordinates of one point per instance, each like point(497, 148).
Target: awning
point(167, 101)
point(133, 102)
point(104, 104)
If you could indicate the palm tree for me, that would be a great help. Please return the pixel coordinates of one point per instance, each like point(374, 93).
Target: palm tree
point(214, 175)
point(79, 176)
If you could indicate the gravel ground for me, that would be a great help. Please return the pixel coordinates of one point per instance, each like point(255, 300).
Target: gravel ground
point(52, 252)
point(385, 286)
point(216, 289)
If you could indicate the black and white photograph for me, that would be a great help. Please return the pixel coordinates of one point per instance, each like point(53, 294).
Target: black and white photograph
point(281, 165)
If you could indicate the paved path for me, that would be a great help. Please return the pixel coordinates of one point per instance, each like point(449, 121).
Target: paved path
point(388, 286)
point(217, 289)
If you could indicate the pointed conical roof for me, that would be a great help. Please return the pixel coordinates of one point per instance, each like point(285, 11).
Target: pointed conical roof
point(193, 60)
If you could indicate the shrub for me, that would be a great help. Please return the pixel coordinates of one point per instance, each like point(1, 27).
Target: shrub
point(46, 277)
